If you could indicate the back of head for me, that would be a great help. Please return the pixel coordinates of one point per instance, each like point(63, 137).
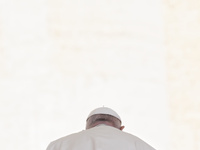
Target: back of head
point(103, 115)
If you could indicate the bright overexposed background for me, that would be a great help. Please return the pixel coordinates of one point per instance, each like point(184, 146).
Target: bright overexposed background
point(60, 59)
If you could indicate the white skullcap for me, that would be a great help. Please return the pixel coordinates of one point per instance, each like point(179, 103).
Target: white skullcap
point(104, 110)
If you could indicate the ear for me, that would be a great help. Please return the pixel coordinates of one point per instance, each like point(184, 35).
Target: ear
point(122, 127)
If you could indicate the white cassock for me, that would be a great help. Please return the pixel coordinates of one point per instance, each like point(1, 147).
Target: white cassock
point(100, 138)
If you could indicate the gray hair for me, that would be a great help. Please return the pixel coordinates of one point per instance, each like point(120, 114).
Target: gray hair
point(102, 118)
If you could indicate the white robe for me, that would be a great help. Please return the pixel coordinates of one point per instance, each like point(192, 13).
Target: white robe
point(100, 138)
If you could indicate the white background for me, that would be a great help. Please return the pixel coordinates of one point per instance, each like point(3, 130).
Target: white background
point(61, 59)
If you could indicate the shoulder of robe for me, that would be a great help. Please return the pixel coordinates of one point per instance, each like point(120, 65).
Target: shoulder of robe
point(65, 139)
